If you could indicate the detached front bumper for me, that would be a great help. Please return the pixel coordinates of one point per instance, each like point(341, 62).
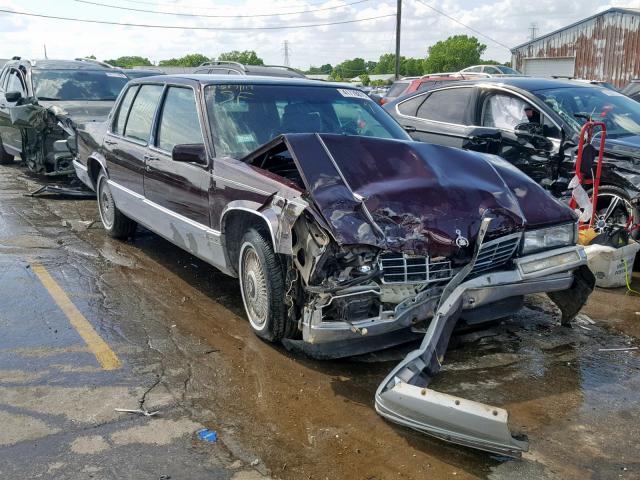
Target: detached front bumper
point(403, 396)
point(550, 271)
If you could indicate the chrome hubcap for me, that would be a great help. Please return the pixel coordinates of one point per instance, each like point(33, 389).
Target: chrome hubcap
point(106, 204)
point(254, 288)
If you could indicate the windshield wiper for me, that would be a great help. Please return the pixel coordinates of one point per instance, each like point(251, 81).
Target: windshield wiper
point(48, 99)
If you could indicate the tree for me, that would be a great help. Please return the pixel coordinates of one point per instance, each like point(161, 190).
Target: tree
point(350, 68)
point(92, 57)
point(190, 60)
point(386, 63)
point(411, 67)
point(246, 57)
point(365, 80)
point(370, 66)
point(325, 69)
point(454, 54)
point(129, 61)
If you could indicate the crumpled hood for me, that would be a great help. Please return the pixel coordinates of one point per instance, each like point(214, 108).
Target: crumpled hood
point(82, 111)
point(416, 197)
point(624, 146)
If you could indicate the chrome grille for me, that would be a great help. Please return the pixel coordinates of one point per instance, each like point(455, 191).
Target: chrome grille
point(496, 252)
point(400, 268)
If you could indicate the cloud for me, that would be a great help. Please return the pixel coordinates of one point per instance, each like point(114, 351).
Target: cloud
point(504, 20)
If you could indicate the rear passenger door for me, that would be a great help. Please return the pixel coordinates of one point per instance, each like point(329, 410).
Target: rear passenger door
point(180, 187)
point(127, 140)
point(441, 116)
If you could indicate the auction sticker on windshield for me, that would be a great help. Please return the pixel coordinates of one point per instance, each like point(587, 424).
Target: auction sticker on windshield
point(352, 93)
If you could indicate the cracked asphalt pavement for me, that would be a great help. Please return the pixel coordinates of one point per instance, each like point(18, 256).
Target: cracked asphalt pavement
point(184, 349)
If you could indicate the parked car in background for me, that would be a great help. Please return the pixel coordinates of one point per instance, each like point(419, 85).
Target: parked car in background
point(632, 90)
point(43, 101)
point(346, 236)
point(397, 89)
point(493, 70)
point(600, 83)
point(235, 68)
point(534, 124)
point(133, 73)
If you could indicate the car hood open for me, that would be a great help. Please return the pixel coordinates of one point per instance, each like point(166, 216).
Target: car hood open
point(416, 197)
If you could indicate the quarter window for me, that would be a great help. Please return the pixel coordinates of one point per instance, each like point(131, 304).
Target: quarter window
point(410, 107)
point(179, 123)
point(123, 110)
point(142, 111)
point(449, 105)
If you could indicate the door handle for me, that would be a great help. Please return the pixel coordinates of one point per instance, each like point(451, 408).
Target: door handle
point(409, 128)
point(110, 142)
point(150, 158)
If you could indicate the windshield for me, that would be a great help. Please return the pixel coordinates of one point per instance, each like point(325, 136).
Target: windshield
point(507, 70)
point(575, 105)
point(243, 117)
point(67, 85)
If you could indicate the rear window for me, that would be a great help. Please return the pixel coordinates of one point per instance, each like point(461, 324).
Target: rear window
point(142, 112)
point(243, 117)
point(397, 89)
point(68, 85)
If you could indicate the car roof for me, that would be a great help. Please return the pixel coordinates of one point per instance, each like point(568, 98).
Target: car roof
point(529, 83)
point(206, 79)
point(47, 64)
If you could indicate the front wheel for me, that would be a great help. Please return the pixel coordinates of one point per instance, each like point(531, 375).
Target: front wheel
point(5, 158)
point(263, 287)
point(115, 222)
point(614, 207)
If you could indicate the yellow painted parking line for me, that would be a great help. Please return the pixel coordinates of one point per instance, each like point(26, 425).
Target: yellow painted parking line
point(105, 356)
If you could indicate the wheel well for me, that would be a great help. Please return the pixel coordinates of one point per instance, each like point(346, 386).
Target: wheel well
point(234, 225)
point(93, 167)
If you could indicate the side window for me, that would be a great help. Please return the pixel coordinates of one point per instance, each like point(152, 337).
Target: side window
point(142, 111)
point(473, 69)
point(426, 85)
point(410, 107)
point(219, 71)
point(123, 110)
point(504, 111)
point(449, 105)
point(491, 70)
point(179, 123)
point(15, 83)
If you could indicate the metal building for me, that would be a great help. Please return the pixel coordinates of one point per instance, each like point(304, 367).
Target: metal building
point(603, 47)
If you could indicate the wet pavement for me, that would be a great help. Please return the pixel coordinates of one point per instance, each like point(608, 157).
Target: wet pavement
point(177, 329)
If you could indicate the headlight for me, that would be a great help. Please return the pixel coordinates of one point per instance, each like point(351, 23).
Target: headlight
point(547, 238)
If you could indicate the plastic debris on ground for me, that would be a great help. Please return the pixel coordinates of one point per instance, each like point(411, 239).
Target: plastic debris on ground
point(208, 435)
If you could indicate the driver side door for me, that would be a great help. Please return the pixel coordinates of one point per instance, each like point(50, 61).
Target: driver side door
point(11, 135)
point(530, 141)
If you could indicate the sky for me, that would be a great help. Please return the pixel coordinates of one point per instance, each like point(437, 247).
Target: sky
point(506, 22)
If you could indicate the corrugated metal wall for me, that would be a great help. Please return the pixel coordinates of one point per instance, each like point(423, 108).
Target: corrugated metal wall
point(606, 47)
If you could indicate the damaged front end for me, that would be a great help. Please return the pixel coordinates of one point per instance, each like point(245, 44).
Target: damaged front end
point(403, 240)
point(48, 137)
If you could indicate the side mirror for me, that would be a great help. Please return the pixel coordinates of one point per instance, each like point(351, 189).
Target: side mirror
point(13, 97)
point(189, 153)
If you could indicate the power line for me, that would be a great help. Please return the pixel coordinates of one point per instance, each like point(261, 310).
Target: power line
point(142, 10)
point(463, 24)
point(182, 27)
point(201, 7)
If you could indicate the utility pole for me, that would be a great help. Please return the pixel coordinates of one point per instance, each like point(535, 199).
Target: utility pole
point(285, 47)
point(45, 51)
point(533, 28)
point(398, 20)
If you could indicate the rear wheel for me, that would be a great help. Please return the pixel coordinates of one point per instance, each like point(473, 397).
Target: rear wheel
point(263, 287)
point(115, 222)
